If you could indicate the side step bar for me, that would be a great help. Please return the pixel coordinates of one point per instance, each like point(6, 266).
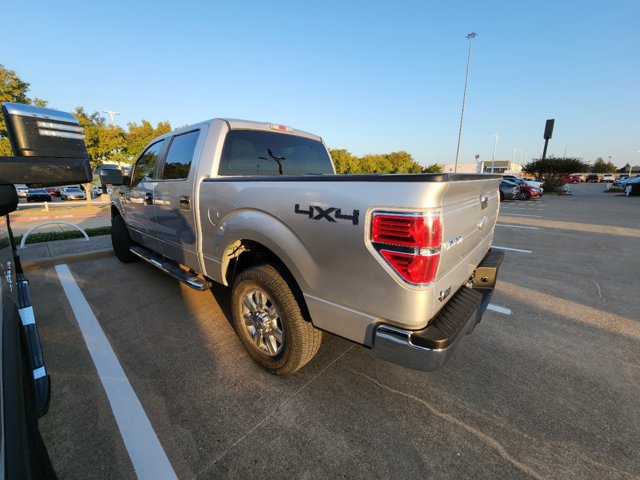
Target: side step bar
point(189, 279)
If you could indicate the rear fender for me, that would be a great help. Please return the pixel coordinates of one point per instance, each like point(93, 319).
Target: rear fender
point(269, 232)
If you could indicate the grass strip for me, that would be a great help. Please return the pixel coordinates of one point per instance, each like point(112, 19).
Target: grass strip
point(52, 236)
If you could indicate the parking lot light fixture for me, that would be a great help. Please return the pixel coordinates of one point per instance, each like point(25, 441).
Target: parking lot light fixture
point(470, 37)
point(493, 158)
point(633, 156)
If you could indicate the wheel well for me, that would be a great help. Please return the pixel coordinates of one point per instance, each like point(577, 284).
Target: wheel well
point(247, 253)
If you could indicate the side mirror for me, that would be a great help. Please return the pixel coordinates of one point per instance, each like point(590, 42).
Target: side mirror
point(112, 176)
point(48, 147)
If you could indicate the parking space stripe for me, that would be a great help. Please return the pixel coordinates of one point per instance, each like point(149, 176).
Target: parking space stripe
point(496, 308)
point(146, 453)
point(516, 226)
point(520, 215)
point(511, 249)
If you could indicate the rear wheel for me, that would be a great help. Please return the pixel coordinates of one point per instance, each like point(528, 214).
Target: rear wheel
point(501, 196)
point(121, 241)
point(269, 321)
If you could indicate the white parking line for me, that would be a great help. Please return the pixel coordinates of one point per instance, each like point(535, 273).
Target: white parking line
point(508, 207)
point(496, 308)
point(511, 249)
point(147, 455)
point(516, 226)
point(521, 215)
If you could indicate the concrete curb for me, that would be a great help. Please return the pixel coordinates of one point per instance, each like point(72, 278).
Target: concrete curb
point(70, 258)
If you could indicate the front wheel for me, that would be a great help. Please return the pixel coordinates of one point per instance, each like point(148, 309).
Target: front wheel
point(121, 241)
point(524, 195)
point(269, 321)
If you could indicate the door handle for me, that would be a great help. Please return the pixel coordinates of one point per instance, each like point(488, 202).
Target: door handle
point(185, 202)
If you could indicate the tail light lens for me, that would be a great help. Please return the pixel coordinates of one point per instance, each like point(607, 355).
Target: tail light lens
point(409, 243)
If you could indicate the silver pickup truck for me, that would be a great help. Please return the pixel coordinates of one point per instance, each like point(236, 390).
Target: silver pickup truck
point(398, 263)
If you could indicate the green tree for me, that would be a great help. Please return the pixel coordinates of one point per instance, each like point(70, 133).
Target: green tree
point(599, 166)
point(433, 168)
point(13, 89)
point(552, 169)
point(611, 168)
point(139, 136)
point(624, 169)
point(344, 161)
point(402, 162)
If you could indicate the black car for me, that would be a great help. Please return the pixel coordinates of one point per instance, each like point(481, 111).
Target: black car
point(38, 195)
point(592, 178)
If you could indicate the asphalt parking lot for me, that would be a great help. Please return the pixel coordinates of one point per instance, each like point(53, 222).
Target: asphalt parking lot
point(547, 386)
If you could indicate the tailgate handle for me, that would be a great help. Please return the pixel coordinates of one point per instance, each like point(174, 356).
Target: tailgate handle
point(185, 202)
point(484, 201)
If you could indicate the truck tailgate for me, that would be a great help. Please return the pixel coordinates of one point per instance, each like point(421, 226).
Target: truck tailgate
point(469, 215)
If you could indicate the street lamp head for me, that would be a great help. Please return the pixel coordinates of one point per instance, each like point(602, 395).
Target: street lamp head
point(471, 35)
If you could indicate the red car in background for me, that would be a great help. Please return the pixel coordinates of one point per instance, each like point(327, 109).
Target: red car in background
point(53, 191)
point(527, 192)
point(571, 179)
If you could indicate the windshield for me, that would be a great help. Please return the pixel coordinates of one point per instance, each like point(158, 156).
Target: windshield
point(254, 152)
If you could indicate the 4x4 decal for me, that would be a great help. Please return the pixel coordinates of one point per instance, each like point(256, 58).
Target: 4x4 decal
point(316, 213)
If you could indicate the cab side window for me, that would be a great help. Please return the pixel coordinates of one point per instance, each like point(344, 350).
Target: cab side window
point(146, 164)
point(180, 156)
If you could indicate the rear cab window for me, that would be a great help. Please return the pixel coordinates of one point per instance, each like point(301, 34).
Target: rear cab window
point(256, 152)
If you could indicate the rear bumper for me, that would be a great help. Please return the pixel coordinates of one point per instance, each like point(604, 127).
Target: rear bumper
point(428, 349)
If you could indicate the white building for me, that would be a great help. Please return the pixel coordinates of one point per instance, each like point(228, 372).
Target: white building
point(505, 167)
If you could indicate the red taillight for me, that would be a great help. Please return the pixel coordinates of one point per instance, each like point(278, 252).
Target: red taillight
point(407, 230)
point(413, 268)
point(410, 244)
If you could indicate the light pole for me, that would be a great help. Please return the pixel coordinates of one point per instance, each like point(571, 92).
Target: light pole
point(111, 114)
point(633, 156)
point(470, 37)
point(493, 158)
point(478, 167)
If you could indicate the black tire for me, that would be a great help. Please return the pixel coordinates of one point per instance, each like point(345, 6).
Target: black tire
point(121, 241)
point(524, 195)
point(279, 311)
point(501, 196)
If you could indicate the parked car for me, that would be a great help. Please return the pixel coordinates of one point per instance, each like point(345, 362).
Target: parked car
point(508, 190)
point(571, 179)
point(38, 195)
point(592, 178)
point(527, 192)
point(22, 191)
point(530, 191)
point(520, 181)
point(622, 180)
point(608, 177)
point(96, 191)
point(53, 191)
point(72, 193)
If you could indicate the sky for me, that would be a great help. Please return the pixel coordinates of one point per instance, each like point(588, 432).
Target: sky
point(367, 76)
